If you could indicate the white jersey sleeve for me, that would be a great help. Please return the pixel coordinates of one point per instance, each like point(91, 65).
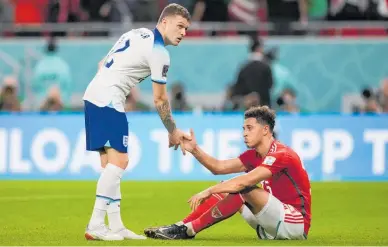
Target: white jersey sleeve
point(159, 62)
point(137, 54)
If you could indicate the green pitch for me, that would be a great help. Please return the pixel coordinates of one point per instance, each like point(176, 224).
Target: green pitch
point(56, 213)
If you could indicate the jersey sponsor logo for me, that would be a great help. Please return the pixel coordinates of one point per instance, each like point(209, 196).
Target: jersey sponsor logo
point(216, 213)
point(165, 70)
point(125, 141)
point(269, 160)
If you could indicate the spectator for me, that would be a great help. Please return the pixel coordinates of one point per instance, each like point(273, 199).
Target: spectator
point(211, 11)
point(132, 102)
point(6, 11)
point(255, 76)
point(383, 95)
point(179, 100)
point(240, 103)
point(245, 11)
point(143, 10)
point(382, 9)
point(287, 101)
point(30, 12)
point(283, 12)
point(343, 10)
point(282, 76)
point(53, 101)
point(65, 11)
point(317, 10)
point(9, 95)
point(98, 10)
point(62, 11)
point(51, 70)
point(230, 103)
point(188, 4)
point(370, 104)
point(250, 100)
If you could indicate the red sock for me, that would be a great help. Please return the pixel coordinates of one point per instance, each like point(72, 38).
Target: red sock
point(203, 207)
point(221, 211)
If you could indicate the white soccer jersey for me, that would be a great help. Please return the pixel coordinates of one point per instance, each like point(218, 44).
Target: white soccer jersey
point(138, 54)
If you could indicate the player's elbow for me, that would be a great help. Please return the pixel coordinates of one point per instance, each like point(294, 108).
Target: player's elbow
point(218, 169)
point(159, 99)
point(215, 172)
point(158, 102)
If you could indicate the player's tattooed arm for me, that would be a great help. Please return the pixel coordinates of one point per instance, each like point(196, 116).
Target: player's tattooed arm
point(164, 111)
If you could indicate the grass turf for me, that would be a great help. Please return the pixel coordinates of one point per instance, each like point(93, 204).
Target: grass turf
point(56, 213)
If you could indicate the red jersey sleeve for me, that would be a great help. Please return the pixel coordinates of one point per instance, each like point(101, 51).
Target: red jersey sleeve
point(248, 159)
point(276, 162)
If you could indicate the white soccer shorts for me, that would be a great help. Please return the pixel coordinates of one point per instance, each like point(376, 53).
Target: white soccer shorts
point(277, 221)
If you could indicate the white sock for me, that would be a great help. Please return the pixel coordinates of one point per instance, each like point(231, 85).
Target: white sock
point(190, 231)
point(249, 217)
point(114, 217)
point(99, 211)
point(107, 187)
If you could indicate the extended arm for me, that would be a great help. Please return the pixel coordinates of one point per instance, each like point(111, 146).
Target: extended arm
point(218, 166)
point(162, 105)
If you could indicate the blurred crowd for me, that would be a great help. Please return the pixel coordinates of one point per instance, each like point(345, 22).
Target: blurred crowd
point(279, 12)
point(261, 80)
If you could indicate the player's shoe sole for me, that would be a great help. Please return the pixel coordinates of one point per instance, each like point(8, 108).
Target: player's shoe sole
point(90, 237)
point(101, 233)
point(160, 235)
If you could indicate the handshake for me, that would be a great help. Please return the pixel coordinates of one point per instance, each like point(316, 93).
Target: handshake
point(179, 138)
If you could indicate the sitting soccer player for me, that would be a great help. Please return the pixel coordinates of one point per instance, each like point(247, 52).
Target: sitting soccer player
point(281, 209)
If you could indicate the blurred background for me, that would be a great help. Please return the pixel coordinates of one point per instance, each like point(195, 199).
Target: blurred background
point(294, 55)
point(321, 64)
point(327, 58)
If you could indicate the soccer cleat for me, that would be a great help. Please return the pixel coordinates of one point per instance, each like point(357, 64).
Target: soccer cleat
point(150, 231)
point(128, 234)
point(101, 233)
point(172, 232)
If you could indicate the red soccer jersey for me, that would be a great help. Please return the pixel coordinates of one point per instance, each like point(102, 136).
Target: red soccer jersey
point(289, 182)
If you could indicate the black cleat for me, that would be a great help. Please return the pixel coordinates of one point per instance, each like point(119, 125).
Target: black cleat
point(150, 231)
point(172, 232)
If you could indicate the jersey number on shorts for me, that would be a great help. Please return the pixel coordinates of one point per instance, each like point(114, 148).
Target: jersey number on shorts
point(126, 46)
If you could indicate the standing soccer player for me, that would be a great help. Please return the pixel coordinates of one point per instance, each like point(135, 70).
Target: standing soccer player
point(137, 54)
point(281, 209)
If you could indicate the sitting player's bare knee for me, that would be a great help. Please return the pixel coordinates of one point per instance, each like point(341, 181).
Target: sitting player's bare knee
point(117, 158)
point(257, 198)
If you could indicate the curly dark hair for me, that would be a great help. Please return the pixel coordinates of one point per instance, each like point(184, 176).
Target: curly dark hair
point(263, 115)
